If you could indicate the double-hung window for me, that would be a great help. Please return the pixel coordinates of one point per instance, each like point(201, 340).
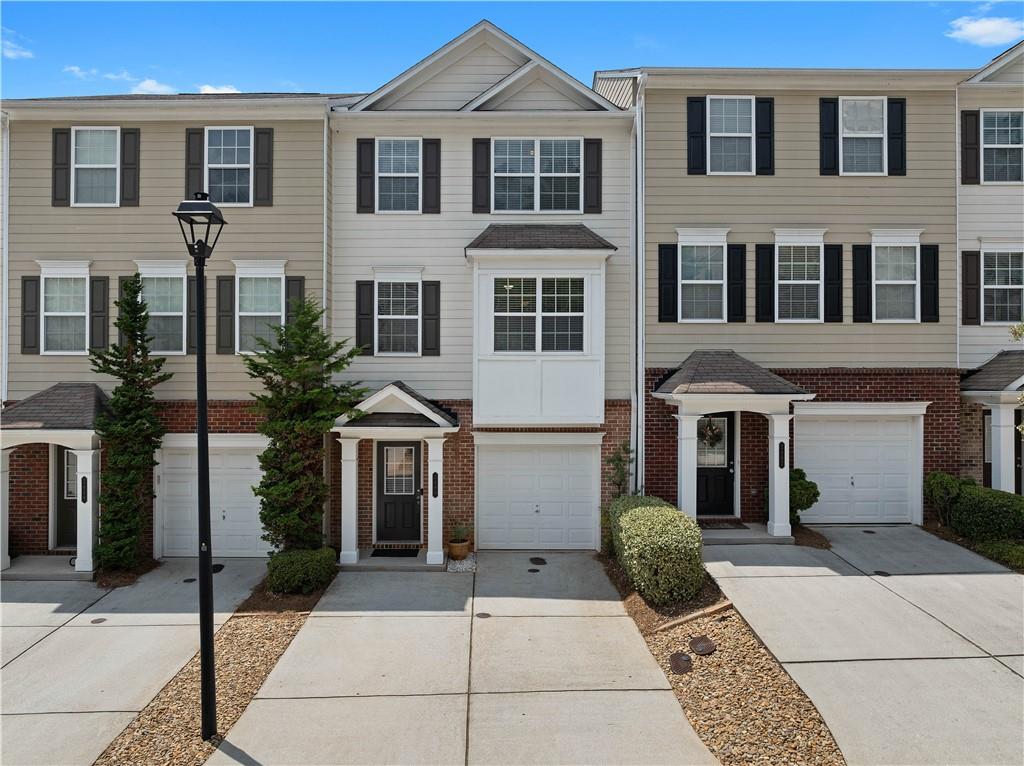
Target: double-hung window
point(95, 159)
point(798, 282)
point(1002, 138)
point(702, 283)
point(560, 314)
point(163, 290)
point(537, 174)
point(398, 316)
point(862, 135)
point(731, 135)
point(259, 291)
point(65, 307)
point(229, 165)
point(1003, 285)
point(896, 282)
point(398, 175)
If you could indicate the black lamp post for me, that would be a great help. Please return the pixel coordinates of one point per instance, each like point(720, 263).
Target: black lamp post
point(199, 218)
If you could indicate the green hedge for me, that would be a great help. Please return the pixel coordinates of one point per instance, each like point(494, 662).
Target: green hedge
point(660, 549)
point(301, 571)
point(941, 491)
point(624, 503)
point(979, 513)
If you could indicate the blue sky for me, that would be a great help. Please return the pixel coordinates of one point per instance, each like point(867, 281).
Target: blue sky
point(52, 49)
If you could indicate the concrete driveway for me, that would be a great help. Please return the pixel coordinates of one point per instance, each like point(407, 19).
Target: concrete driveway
point(79, 662)
point(508, 666)
point(912, 648)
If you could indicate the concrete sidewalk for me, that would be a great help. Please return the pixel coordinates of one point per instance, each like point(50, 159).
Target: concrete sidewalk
point(507, 666)
point(910, 647)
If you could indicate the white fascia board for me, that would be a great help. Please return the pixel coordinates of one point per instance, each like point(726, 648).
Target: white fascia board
point(372, 404)
point(992, 398)
point(397, 433)
point(571, 258)
point(76, 439)
point(501, 85)
point(202, 111)
point(538, 438)
point(997, 63)
point(537, 70)
point(862, 409)
point(765, 404)
point(217, 441)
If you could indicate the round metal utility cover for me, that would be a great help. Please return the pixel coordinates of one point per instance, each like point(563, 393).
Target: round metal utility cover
point(483, 615)
point(538, 561)
point(98, 620)
point(680, 662)
point(702, 645)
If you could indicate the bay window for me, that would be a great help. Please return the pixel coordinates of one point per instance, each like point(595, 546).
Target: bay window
point(560, 314)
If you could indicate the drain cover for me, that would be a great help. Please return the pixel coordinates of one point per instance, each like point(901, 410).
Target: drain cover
point(868, 531)
point(882, 573)
point(702, 645)
point(189, 579)
point(533, 570)
point(217, 568)
point(483, 615)
point(538, 561)
point(680, 662)
point(98, 620)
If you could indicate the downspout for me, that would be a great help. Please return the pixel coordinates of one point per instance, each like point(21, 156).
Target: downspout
point(326, 212)
point(956, 197)
point(5, 255)
point(639, 280)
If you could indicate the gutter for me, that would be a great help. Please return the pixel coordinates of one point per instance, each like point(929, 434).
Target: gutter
point(639, 279)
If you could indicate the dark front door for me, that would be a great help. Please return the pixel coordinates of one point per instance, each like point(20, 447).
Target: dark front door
point(65, 502)
point(715, 455)
point(399, 492)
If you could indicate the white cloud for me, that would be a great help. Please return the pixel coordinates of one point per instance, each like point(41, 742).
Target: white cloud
point(153, 88)
point(218, 89)
point(122, 75)
point(995, 30)
point(11, 49)
point(81, 74)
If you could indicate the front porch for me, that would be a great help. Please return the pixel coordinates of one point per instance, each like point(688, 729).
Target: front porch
point(996, 387)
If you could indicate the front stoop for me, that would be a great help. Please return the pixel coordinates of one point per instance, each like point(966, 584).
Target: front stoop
point(387, 564)
point(51, 568)
point(755, 534)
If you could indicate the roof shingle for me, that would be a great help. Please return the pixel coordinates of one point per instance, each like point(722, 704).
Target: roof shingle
point(539, 236)
point(997, 374)
point(65, 406)
point(721, 371)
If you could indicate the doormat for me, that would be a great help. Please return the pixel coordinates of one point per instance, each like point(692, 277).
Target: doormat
point(721, 524)
point(395, 553)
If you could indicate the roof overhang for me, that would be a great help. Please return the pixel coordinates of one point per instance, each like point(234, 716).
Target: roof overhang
point(72, 439)
point(825, 80)
point(996, 64)
point(393, 399)
point(705, 404)
point(236, 109)
point(587, 257)
point(993, 398)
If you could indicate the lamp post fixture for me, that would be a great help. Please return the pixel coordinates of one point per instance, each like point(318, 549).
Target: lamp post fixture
point(199, 219)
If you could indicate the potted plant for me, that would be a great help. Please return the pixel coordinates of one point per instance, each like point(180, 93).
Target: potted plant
point(458, 543)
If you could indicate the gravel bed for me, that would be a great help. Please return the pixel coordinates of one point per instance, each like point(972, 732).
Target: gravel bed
point(468, 564)
point(741, 702)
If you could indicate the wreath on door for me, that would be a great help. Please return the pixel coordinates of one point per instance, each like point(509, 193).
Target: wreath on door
point(710, 434)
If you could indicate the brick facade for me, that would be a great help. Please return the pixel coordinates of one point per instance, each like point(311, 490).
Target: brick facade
point(972, 441)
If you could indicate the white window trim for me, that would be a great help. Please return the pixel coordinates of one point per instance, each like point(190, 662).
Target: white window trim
point(539, 315)
point(411, 275)
point(885, 134)
point(116, 167)
point(536, 175)
point(801, 238)
point(56, 270)
point(896, 238)
point(993, 249)
point(255, 269)
point(377, 174)
point(985, 146)
point(750, 135)
point(174, 269)
point(249, 164)
point(715, 237)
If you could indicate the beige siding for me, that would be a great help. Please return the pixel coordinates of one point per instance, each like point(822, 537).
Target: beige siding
point(990, 211)
point(540, 96)
point(798, 197)
point(113, 238)
point(437, 242)
point(1013, 72)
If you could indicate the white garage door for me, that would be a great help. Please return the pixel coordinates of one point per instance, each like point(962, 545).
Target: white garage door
point(234, 509)
point(537, 497)
point(864, 467)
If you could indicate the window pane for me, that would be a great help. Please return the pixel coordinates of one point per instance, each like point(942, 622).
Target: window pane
point(798, 301)
point(1003, 304)
point(229, 185)
point(230, 147)
point(1004, 127)
point(558, 156)
point(398, 156)
point(514, 156)
point(895, 301)
point(398, 299)
point(95, 186)
point(64, 294)
point(515, 295)
point(701, 301)
point(895, 263)
point(863, 115)
point(64, 333)
point(703, 262)
point(70, 475)
point(399, 470)
point(164, 293)
point(513, 193)
point(398, 336)
point(95, 147)
point(398, 193)
point(712, 442)
point(730, 115)
point(799, 262)
point(167, 333)
point(730, 155)
point(562, 296)
point(559, 193)
point(259, 294)
point(252, 327)
point(1004, 269)
point(515, 333)
point(862, 155)
point(1004, 164)
point(562, 333)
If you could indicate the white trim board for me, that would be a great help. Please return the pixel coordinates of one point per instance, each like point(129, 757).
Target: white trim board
point(864, 409)
point(540, 438)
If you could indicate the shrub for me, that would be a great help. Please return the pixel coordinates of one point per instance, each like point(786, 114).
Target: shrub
point(980, 513)
point(660, 549)
point(1009, 552)
point(803, 493)
point(624, 503)
point(941, 491)
point(301, 570)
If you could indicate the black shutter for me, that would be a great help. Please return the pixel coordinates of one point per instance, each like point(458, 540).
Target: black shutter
point(668, 283)
point(970, 286)
point(120, 297)
point(194, 141)
point(365, 151)
point(896, 125)
point(99, 312)
point(828, 126)
point(764, 283)
point(592, 175)
point(833, 283)
point(60, 192)
point(431, 319)
point(364, 316)
point(481, 175)
point(130, 139)
point(30, 315)
point(191, 314)
point(294, 292)
point(764, 126)
point(929, 283)
point(431, 175)
point(263, 167)
point(696, 151)
point(862, 283)
point(225, 315)
point(970, 146)
point(737, 287)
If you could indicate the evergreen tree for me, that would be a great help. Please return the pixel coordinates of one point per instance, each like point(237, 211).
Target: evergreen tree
point(130, 432)
point(300, 403)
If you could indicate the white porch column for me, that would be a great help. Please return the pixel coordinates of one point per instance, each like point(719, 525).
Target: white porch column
point(686, 469)
point(1003, 433)
point(435, 501)
point(86, 486)
point(349, 501)
point(5, 499)
point(778, 475)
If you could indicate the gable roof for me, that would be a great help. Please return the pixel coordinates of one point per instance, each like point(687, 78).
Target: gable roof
point(1003, 372)
point(64, 407)
point(414, 410)
point(723, 371)
point(1000, 61)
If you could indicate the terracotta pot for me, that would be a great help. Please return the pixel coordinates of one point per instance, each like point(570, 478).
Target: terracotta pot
point(457, 551)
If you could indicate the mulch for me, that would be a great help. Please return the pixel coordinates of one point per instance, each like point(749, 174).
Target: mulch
point(810, 538)
point(119, 578)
